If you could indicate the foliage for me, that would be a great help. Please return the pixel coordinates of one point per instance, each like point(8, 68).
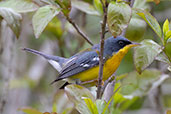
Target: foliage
point(119, 15)
point(131, 87)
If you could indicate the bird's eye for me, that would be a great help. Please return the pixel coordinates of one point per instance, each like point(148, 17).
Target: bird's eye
point(121, 43)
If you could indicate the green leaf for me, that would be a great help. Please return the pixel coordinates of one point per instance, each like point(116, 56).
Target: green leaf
point(116, 89)
point(136, 29)
point(116, 111)
point(168, 35)
point(55, 28)
point(76, 94)
point(30, 111)
point(12, 18)
point(65, 106)
point(125, 104)
point(20, 6)
point(119, 15)
point(145, 54)
point(91, 105)
point(84, 7)
point(141, 4)
point(167, 50)
point(122, 102)
point(65, 5)
point(42, 17)
point(139, 84)
point(98, 6)
point(162, 57)
point(101, 105)
point(152, 22)
point(166, 31)
point(169, 40)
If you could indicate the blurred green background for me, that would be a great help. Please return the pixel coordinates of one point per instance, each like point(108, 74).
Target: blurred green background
point(25, 78)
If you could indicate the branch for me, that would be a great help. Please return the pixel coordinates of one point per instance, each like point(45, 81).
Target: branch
point(101, 62)
point(79, 30)
point(63, 7)
point(131, 3)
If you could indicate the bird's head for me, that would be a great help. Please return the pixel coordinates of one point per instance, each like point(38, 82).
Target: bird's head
point(113, 45)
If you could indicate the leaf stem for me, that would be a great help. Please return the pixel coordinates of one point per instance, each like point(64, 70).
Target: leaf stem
point(101, 62)
point(73, 23)
point(79, 30)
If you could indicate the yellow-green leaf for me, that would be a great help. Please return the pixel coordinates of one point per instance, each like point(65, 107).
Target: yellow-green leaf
point(167, 49)
point(66, 104)
point(145, 54)
point(42, 17)
point(165, 27)
point(168, 35)
point(91, 105)
point(30, 111)
point(20, 6)
point(119, 15)
point(152, 22)
point(100, 103)
point(136, 29)
point(65, 6)
point(12, 18)
point(98, 6)
point(76, 94)
point(55, 27)
point(139, 84)
point(162, 57)
point(84, 7)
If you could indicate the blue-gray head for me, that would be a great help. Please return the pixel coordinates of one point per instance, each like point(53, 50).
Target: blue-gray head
point(115, 44)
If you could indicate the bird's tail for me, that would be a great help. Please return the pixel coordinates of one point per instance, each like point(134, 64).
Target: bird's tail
point(56, 61)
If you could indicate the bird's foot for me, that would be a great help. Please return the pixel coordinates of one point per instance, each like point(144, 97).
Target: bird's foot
point(89, 82)
point(93, 82)
point(78, 82)
point(102, 84)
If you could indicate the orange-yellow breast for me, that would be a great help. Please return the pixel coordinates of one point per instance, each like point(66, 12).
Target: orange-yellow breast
point(110, 67)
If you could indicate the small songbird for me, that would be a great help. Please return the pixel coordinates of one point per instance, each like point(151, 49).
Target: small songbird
point(84, 66)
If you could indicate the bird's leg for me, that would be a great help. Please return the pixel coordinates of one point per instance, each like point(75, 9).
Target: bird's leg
point(91, 81)
point(78, 82)
point(97, 83)
point(87, 82)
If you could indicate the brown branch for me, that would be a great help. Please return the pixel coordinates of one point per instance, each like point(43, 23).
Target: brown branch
point(101, 62)
point(131, 3)
point(79, 30)
point(73, 23)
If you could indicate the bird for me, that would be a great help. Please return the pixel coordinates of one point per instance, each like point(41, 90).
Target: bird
point(84, 66)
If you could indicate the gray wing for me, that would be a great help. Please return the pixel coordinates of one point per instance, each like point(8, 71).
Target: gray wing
point(79, 64)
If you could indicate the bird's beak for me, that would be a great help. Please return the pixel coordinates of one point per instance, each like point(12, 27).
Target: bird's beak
point(134, 44)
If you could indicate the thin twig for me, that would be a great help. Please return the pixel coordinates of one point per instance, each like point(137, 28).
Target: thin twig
point(79, 30)
point(74, 24)
point(101, 62)
point(131, 3)
point(1, 43)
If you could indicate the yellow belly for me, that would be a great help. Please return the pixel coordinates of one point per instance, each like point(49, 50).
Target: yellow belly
point(110, 67)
